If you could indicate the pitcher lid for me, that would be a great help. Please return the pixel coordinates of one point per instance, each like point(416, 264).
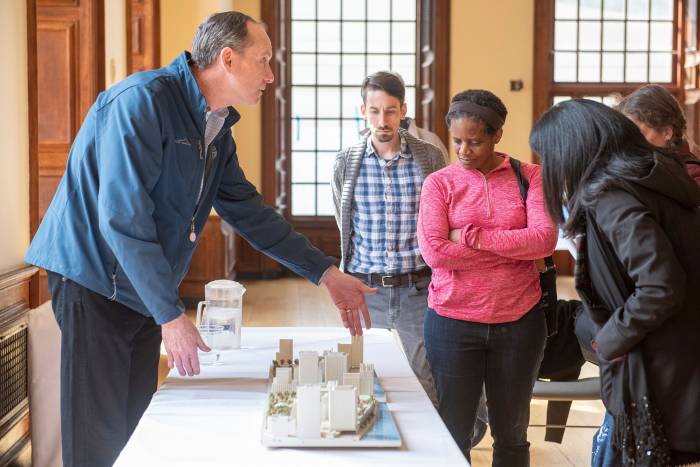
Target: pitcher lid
point(223, 289)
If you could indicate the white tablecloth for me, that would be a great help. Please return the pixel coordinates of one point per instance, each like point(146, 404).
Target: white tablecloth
point(215, 419)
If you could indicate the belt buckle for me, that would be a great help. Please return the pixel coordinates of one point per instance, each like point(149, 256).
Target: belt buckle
point(384, 284)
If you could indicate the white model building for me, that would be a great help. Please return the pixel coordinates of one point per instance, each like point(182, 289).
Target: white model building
point(342, 408)
point(352, 379)
point(363, 380)
point(308, 411)
point(283, 374)
point(281, 425)
point(366, 379)
point(282, 381)
point(320, 396)
point(336, 363)
point(308, 367)
point(357, 354)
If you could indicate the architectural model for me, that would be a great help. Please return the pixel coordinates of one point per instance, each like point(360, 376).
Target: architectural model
point(326, 399)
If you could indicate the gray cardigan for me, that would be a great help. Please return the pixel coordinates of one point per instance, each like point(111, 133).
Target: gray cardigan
point(347, 168)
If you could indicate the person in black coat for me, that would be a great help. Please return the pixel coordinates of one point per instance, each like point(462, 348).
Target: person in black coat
point(635, 215)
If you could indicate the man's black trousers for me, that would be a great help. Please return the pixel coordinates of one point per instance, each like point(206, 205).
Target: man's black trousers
point(109, 372)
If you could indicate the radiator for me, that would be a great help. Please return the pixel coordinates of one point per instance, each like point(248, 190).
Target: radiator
point(14, 387)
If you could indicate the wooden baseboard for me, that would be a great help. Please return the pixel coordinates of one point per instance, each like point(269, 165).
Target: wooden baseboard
point(14, 287)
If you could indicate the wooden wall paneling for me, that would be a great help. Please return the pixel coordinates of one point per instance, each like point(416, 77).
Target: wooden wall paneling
point(14, 288)
point(33, 117)
point(543, 69)
point(68, 76)
point(213, 259)
point(229, 246)
point(58, 100)
point(142, 35)
point(276, 106)
point(33, 146)
point(15, 434)
point(433, 71)
point(247, 258)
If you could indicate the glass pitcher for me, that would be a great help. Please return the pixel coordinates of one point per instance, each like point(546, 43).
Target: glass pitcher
point(223, 306)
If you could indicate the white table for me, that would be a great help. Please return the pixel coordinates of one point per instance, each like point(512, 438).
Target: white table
point(215, 419)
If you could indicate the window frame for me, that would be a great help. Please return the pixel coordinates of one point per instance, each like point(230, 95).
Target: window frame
point(544, 86)
point(432, 101)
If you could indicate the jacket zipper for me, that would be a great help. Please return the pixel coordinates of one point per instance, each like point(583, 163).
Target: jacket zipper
point(489, 211)
point(203, 155)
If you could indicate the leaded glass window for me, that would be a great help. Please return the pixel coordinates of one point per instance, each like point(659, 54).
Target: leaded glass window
point(614, 41)
point(334, 45)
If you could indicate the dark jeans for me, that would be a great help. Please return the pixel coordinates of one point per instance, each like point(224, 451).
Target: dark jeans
point(403, 309)
point(464, 356)
point(109, 372)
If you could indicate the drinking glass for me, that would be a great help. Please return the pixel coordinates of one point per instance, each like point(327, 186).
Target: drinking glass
point(212, 335)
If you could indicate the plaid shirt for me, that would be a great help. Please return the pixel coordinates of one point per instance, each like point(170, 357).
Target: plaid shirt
point(385, 214)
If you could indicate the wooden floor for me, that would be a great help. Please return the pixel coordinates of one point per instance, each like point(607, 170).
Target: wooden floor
point(295, 302)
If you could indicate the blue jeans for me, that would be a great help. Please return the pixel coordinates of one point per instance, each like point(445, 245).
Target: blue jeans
point(603, 454)
point(403, 309)
point(464, 356)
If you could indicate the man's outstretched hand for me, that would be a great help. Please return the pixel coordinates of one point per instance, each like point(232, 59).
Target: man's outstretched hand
point(348, 294)
point(181, 340)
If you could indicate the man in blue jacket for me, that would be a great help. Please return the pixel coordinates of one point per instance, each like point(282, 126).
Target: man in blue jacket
point(152, 157)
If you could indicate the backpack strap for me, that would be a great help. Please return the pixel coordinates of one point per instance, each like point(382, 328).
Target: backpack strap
point(522, 181)
point(524, 186)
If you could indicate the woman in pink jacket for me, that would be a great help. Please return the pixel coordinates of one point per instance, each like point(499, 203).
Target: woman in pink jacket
point(485, 324)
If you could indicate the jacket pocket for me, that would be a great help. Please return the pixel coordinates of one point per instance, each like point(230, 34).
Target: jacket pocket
point(186, 159)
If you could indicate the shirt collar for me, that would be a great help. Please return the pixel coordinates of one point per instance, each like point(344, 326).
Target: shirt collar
point(221, 113)
point(404, 151)
point(193, 96)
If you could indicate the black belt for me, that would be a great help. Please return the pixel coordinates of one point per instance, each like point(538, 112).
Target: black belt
point(396, 280)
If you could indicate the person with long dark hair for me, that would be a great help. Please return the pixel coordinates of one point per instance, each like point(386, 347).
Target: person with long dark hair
point(660, 118)
point(635, 217)
point(485, 324)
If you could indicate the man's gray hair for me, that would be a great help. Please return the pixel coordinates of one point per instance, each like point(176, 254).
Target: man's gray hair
point(220, 30)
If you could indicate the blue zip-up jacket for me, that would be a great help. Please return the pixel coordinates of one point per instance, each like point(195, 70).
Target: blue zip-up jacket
point(135, 190)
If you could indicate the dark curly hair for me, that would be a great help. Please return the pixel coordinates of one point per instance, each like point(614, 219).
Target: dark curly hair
point(480, 97)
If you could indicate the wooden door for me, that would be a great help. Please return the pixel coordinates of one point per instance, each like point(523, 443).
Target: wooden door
point(70, 74)
point(142, 35)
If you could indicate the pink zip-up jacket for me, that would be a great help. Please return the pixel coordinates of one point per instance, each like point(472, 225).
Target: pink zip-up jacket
point(490, 277)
